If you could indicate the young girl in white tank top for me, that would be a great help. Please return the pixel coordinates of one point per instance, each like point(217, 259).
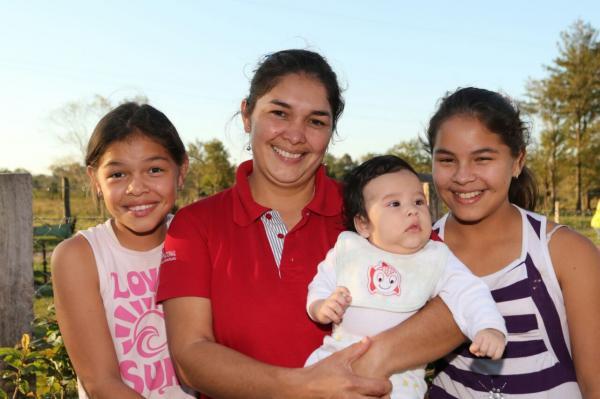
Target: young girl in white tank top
point(105, 277)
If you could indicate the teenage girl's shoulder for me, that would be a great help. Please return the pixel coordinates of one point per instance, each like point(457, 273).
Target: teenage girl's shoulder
point(571, 252)
point(73, 260)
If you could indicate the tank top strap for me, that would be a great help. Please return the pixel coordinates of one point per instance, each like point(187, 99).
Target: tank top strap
point(554, 229)
point(535, 225)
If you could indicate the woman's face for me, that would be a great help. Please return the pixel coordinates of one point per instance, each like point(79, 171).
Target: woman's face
point(290, 128)
point(472, 168)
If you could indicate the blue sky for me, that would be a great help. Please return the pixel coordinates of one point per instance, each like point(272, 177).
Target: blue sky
point(193, 59)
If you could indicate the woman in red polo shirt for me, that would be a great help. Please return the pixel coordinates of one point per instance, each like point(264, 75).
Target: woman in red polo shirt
point(236, 265)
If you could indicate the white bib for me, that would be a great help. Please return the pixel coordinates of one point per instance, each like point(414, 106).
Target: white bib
point(387, 281)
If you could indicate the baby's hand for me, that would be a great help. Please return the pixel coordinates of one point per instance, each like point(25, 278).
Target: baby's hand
point(488, 342)
point(332, 309)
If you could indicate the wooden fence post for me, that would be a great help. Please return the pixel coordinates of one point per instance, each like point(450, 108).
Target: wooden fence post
point(435, 207)
point(16, 257)
point(66, 200)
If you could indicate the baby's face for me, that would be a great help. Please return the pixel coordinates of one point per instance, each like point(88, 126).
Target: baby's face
point(399, 219)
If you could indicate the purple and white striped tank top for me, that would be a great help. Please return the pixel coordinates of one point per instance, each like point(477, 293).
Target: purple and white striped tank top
point(537, 361)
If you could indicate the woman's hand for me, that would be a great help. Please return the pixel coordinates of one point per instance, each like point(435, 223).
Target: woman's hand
point(221, 372)
point(424, 337)
point(333, 377)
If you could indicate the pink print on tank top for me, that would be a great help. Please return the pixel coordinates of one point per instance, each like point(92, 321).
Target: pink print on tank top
point(140, 333)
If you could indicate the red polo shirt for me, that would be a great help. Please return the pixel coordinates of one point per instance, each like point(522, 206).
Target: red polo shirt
point(217, 248)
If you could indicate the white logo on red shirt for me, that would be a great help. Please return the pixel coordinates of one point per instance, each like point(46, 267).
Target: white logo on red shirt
point(168, 256)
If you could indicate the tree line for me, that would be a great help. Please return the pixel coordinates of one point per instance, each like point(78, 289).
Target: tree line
point(564, 106)
point(567, 103)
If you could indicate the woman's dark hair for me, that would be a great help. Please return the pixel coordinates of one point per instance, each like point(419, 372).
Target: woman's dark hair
point(132, 118)
point(499, 115)
point(276, 65)
point(356, 180)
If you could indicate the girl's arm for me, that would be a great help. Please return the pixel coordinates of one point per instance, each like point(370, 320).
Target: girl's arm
point(221, 372)
point(577, 264)
point(426, 336)
point(82, 321)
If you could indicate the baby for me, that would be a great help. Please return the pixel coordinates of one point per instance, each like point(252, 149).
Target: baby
point(387, 268)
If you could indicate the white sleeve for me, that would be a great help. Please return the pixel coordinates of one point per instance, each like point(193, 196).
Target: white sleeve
point(324, 282)
point(469, 299)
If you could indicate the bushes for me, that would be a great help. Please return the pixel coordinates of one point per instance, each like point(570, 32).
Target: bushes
point(38, 367)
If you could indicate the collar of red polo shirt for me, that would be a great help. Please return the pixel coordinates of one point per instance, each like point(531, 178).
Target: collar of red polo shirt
point(326, 201)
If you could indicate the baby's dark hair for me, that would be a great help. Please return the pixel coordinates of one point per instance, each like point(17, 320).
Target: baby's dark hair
point(356, 180)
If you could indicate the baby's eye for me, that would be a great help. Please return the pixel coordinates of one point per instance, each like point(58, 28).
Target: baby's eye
point(394, 204)
point(420, 202)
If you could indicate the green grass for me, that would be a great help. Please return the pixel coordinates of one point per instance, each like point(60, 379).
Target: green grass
point(43, 287)
point(41, 306)
point(579, 223)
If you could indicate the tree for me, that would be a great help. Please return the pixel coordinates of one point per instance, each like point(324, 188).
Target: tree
point(572, 91)
point(551, 152)
point(367, 156)
point(210, 170)
point(413, 152)
point(338, 167)
point(17, 170)
point(46, 186)
point(75, 172)
point(75, 120)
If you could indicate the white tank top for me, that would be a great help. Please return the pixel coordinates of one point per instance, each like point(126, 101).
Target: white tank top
point(128, 281)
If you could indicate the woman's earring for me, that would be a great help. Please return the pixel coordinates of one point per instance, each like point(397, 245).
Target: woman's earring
point(99, 194)
point(248, 147)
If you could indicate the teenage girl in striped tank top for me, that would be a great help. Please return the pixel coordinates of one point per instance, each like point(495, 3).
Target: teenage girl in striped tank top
point(545, 279)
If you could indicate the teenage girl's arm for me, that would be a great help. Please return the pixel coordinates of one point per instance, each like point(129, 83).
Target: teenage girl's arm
point(577, 264)
point(82, 321)
point(426, 336)
point(221, 372)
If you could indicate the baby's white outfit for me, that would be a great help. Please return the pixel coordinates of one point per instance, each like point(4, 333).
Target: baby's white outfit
point(388, 288)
